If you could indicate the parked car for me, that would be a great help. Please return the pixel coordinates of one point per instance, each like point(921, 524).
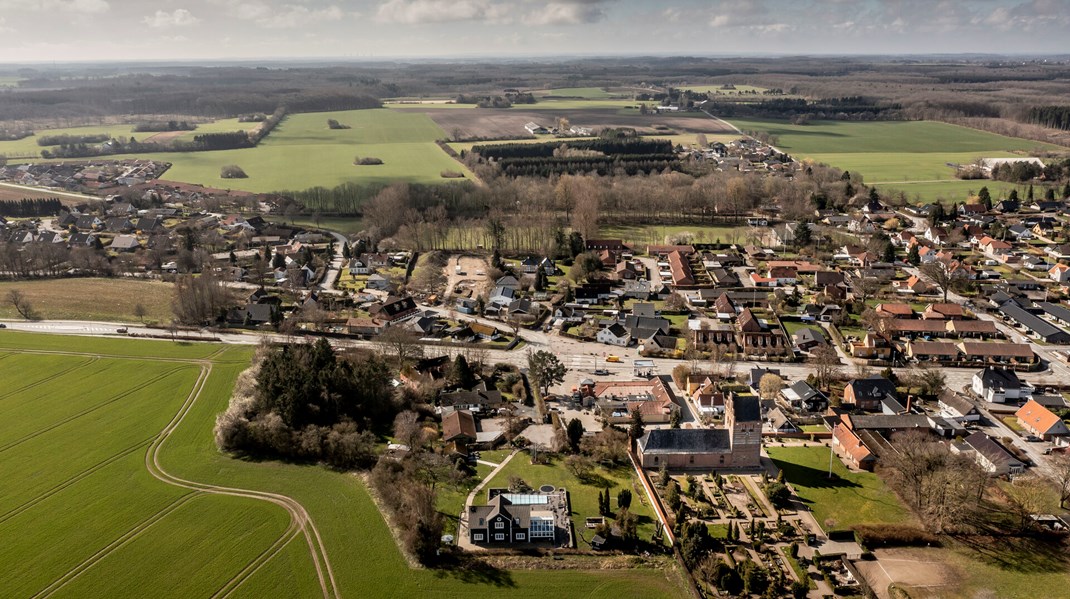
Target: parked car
point(121, 330)
point(1032, 438)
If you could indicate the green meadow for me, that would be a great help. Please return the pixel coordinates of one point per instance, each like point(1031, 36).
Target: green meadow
point(588, 93)
point(910, 156)
point(302, 152)
point(82, 516)
point(28, 147)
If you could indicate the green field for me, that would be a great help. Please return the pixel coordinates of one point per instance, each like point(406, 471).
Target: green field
point(27, 147)
point(82, 516)
point(656, 234)
point(852, 498)
point(302, 153)
point(911, 156)
point(589, 93)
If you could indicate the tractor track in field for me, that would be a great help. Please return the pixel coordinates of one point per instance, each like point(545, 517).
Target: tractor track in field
point(50, 378)
point(89, 410)
point(71, 481)
point(300, 521)
point(112, 547)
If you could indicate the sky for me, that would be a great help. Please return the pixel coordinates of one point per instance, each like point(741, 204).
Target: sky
point(89, 30)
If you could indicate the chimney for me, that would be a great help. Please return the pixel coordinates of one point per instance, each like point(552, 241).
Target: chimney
point(910, 403)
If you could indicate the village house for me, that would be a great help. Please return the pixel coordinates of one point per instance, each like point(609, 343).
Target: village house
point(869, 393)
point(849, 448)
point(518, 518)
point(1041, 422)
point(989, 455)
point(999, 385)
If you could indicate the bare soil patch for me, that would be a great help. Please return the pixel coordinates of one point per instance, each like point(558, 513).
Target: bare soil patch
point(907, 568)
point(14, 194)
point(509, 124)
point(164, 137)
point(472, 278)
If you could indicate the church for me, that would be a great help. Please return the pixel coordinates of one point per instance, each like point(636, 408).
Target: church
point(737, 445)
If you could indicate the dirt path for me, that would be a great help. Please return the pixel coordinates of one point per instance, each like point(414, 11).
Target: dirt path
point(300, 521)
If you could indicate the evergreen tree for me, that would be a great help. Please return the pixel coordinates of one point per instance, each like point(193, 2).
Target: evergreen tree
point(986, 198)
point(1049, 195)
point(1029, 193)
point(345, 250)
point(912, 255)
point(1013, 195)
point(873, 196)
point(461, 373)
point(1066, 191)
point(624, 499)
point(804, 236)
point(635, 430)
point(574, 432)
point(888, 254)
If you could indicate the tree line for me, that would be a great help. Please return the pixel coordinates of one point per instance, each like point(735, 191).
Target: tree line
point(1056, 117)
point(608, 146)
point(31, 207)
point(66, 140)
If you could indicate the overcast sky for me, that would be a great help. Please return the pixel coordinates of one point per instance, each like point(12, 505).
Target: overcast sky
point(64, 30)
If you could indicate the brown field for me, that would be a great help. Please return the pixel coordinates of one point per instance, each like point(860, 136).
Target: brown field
point(8, 194)
point(164, 136)
point(91, 299)
point(509, 124)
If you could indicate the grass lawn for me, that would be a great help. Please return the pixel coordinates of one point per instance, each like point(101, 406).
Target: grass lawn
point(584, 496)
point(341, 224)
point(852, 498)
point(1012, 422)
point(28, 147)
point(793, 326)
point(77, 482)
point(302, 152)
point(92, 299)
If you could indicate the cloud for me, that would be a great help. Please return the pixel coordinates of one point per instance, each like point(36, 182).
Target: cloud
point(558, 12)
point(414, 12)
point(750, 16)
point(286, 16)
point(84, 7)
point(180, 17)
point(567, 13)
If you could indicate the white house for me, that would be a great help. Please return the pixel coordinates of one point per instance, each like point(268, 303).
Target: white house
point(614, 334)
point(1000, 385)
point(1060, 273)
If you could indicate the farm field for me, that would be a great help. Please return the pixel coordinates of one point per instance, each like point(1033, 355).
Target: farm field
point(28, 148)
point(596, 114)
point(302, 153)
point(894, 155)
point(587, 93)
point(676, 139)
point(86, 421)
point(852, 498)
point(716, 89)
point(656, 234)
point(92, 299)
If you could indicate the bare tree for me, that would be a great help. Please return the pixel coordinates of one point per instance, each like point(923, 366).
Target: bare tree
point(865, 288)
point(940, 274)
point(826, 363)
point(198, 300)
point(408, 430)
point(140, 311)
point(22, 305)
point(770, 385)
point(400, 343)
point(1060, 465)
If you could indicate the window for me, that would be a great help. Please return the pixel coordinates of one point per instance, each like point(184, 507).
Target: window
point(499, 537)
point(691, 459)
point(655, 459)
point(477, 537)
point(499, 525)
point(520, 536)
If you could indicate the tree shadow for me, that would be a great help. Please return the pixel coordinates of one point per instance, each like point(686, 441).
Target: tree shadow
point(471, 570)
point(1042, 554)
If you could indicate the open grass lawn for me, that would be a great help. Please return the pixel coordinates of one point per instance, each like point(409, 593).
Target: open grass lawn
point(75, 482)
point(910, 156)
point(302, 152)
point(341, 224)
point(852, 498)
point(584, 495)
point(92, 299)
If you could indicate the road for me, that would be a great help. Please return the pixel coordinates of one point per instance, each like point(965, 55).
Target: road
point(334, 269)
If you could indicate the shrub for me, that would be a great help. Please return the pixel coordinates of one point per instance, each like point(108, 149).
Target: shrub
point(232, 171)
point(367, 161)
point(873, 536)
point(451, 175)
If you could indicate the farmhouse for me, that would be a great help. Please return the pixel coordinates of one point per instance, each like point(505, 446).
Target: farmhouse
point(519, 518)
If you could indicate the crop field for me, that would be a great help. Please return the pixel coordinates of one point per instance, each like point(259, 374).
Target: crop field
point(716, 89)
point(595, 114)
point(587, 93)
point(84, 516)
point(92, 299)
point(913, 156)
point(303, 152)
